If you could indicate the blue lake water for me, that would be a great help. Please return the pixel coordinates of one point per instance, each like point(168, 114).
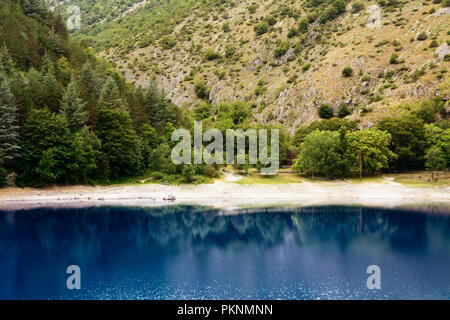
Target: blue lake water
point(194, 253)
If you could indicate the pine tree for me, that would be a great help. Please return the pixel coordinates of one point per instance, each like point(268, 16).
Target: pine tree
point(73, 108)
point(34, 8)
point(110, 96)
point(88, 84)
point(6, 63)
point(54, 43)
point(155, 107)
point(22, 93)
point(35, 88)
point(2, 175)
point(149, 141)
point(137, 112)
point(50, 88)
point(9, 135)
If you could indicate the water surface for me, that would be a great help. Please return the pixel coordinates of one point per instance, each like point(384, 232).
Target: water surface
point(194, 253)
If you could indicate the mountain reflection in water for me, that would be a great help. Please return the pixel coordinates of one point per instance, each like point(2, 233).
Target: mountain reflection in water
point(196, 253)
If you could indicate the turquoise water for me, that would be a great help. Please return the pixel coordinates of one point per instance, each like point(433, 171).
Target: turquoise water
point(194, 253)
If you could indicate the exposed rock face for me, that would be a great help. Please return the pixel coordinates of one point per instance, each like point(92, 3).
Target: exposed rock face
point(443, 51)
point(442, 11)
point(288, 56)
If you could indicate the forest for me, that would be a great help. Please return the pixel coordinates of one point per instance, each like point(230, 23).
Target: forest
point(68, 117)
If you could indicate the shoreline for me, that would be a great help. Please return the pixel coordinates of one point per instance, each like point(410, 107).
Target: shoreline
point(229, 196)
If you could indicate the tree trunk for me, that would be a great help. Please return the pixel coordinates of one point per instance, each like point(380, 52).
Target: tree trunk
point(360, 164)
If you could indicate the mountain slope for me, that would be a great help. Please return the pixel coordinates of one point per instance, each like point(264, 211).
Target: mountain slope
point(286, 58)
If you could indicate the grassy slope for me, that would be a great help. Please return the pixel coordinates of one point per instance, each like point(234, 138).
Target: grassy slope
point(417, 179)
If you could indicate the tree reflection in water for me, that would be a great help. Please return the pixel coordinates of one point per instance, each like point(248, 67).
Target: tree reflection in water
point(36, 244)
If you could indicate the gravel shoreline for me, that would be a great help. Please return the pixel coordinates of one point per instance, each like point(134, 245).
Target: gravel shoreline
point(228, 195)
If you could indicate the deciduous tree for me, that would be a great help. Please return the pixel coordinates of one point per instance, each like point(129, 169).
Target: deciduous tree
point(368, 150)
point(320, 153)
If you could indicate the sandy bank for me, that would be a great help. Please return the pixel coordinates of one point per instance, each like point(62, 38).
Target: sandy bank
point(227, 195)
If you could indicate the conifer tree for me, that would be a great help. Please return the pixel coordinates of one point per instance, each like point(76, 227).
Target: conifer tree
point(34, 85)
point(120, 142)
point(110, 96)
point(155, 107)
point(51, 89)
point(73, 108)
point(34, 8)
point(88, 81)
point(22, 93)
point(88, 84)
point(2, 175)
point(6, 63)
point(9, 135)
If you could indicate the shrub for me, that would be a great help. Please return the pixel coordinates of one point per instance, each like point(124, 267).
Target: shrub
point(210, 171)
point(347, 72)
point(260, 89)
point(292, 32)
point(343, 111)
point(252, 8)
point(211, 55)
point(226, 27)
point(434, 44)
point(240, 111)
point(422, 36)
point(394, 59)
point(328, 15)
point(357, 7)
point(202, 90)
point(325, 111)
point(261, 28)
point(426, 112)
point(303, 25)
point(202, 111)
point(229, 51)
point(306, 67)
point(221, 74)
point(281, 49)
point(167, 42)
point(271, 20)
point(188, 173)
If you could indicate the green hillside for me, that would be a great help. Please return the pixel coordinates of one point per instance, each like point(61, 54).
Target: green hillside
point(68, 116)
point(349, 99)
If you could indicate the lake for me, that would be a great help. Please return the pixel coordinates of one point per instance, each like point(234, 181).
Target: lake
point(197, 253)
